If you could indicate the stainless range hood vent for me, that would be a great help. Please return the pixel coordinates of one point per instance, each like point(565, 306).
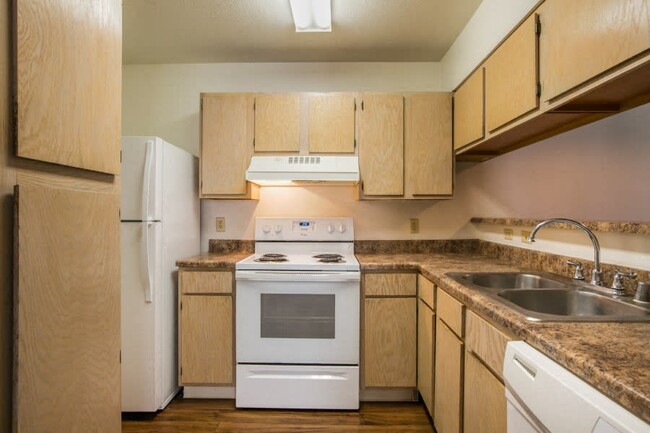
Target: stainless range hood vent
point(303, 169)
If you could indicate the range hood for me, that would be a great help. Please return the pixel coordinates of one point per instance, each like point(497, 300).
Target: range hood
point(303, 169)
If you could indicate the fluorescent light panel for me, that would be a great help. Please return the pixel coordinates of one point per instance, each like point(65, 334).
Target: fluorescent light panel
point(312, 15)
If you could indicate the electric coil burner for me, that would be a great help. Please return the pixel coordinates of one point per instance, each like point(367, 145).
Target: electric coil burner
point(297, 316)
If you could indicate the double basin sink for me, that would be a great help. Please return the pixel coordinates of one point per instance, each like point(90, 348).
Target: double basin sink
point(546, 297)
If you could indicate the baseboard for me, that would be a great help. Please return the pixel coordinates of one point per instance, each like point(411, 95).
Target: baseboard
point(209, 392)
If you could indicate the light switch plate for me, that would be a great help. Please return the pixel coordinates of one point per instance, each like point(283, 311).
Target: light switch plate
point(221, 224)
point(415, 225)
point(524, 236)
point(508, 234)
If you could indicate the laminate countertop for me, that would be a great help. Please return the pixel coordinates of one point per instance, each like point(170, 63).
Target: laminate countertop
point(613, 357)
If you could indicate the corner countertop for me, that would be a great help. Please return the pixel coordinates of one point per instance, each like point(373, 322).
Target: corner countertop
point(212, 260)
point(613, 357)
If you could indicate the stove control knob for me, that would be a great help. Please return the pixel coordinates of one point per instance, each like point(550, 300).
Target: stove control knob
point(278, 228)
point(266, 229)
point(342, 228)
point(330, 228)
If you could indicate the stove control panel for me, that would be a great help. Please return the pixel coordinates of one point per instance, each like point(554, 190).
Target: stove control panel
point(304, 229)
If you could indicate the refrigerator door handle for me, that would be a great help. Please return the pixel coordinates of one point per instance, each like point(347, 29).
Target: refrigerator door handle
point(146, 181)
point(148, 289)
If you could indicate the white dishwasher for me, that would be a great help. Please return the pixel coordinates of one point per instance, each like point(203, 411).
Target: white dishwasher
point(544, 397)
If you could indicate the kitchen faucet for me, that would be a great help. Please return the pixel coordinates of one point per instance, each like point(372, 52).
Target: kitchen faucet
point(596, 274)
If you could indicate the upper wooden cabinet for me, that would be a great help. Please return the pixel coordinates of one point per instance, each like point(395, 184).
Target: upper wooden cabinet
point(511, 77)
point(583, 38)
point(381, 144)
point(226, 145)
point(277, 122)
point(469, 124)
point(331, 123)
point(68, 82)
point(428, 152)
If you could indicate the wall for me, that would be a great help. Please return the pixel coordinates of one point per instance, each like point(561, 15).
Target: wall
point(491, 22)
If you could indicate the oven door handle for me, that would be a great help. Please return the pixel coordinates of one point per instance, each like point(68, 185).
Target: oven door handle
point(296, 276)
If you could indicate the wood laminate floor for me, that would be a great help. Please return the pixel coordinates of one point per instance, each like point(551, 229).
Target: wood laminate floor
point(220, 416)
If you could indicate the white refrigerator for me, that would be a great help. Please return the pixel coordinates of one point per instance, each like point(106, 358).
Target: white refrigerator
point(160, 224)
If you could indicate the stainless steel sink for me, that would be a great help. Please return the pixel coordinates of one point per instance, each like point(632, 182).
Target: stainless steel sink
point(511, 280)
point(544, 297)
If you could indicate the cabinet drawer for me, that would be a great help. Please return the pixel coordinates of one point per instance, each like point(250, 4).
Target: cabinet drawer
point(205, 282)
point(390, 284)
point(450, 311)
point(426, 291)
point(486, 342)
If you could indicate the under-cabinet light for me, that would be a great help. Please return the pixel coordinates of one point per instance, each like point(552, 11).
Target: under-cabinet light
point(312, 15)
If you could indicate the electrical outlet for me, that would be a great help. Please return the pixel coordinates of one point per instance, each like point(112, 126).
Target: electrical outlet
point(221, 224)
point(415, 225)
point(524, 236)
point(508, 234)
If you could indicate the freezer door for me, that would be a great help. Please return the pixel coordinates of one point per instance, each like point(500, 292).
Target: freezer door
point(141, 328)
point(141, 179)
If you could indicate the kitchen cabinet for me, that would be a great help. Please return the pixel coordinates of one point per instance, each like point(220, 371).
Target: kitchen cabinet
point(448, 392)
point(428, 151)
point(381, 144)
point(511, 76)
point(68, 82)
point(426, 341)
point(584, 38)
point(227, 122)
point(485, 401)
point(469, 123)
point(277, 122)
point(389, 333)
point(205, 327)
point(331, 123)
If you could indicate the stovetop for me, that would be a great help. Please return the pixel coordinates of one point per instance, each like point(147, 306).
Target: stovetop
point(312, 261)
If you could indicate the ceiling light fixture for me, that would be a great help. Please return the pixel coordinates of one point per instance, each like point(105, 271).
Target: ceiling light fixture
point(312, 15)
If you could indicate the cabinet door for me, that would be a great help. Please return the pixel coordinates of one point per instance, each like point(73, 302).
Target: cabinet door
point(428, 151)
point(277, 123)
point(67, 311)
point(485, 399)
point(511, 76)
point(390, 342)
point(583, 38)
point(426, 332)
point(448, 380)
point(226, 143)
point(206, 340)
point(68, 82)
point(331, 123)
point(468, 111)
point(381, 145)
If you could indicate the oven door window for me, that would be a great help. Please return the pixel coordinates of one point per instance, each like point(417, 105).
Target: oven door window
point(297, 316)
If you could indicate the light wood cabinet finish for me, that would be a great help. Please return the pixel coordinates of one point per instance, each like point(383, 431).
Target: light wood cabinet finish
point(390, 284)
point(390, 342)
point(277, 122)
point(381, 145)
point(426, 341)
point(448, 398)
point(428, 151)
point(67, 311)
point(426, 291)
point(450, 311)
point(226, 144)
point(469, 122)
point(484, 399)
point(331, 123)
point(487, 342)
point(206, 346)
point(68, 82)
point(511, 77)
point(583, 38)
point(205, 282)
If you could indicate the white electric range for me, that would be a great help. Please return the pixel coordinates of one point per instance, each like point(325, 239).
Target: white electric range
point(297, 316)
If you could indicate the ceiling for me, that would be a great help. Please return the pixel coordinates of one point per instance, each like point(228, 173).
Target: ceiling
point(213, 31)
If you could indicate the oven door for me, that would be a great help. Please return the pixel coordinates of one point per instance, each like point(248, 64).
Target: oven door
point(288, 317)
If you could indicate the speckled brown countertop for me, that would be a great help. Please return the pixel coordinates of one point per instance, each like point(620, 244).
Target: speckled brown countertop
point(634, 227)
point(213, 260)
point(612, 357)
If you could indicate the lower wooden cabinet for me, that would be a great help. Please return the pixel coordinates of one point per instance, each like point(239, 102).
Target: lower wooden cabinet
point(426, 337)
point(485, 399)
point(448, 393)
point(205, 345)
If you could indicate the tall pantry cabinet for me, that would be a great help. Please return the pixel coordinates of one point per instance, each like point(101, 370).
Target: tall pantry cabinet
point(65, 132)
